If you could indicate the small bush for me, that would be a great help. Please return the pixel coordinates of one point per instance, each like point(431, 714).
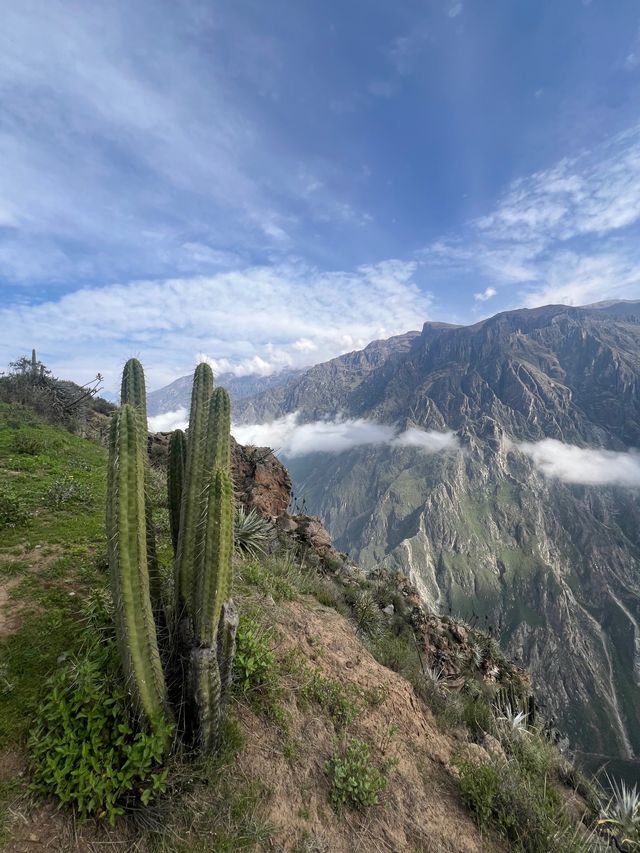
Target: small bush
point(254, 664)
point(526, 809)
point(28, 442)
point(355, 782)
point(330, 695)
point(480, 787)
point(66, 490)
point(82, 747)
point(13, 512)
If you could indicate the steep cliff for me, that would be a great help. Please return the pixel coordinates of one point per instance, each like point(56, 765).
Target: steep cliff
point(552, 565)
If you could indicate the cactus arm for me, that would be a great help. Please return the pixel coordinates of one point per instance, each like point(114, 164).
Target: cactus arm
point(134, 392)
point(175, 482)
point(193, 493)
point(127, 545)
point(218, 453)
point(212, 582)
point(133, 389)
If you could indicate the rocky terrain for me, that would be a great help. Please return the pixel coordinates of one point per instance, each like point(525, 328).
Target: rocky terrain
point(551, 566)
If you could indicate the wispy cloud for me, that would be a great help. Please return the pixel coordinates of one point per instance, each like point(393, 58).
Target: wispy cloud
point(584, 465)
point(292, 439)
point(566, 234)
point(131, 135)
point(251, 320)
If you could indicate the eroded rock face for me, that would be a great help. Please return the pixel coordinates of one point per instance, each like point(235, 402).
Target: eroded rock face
point(261, 481)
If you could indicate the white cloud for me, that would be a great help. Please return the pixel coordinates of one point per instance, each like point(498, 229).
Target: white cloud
point(168, 421)
point(430, 441)
point(89, 108)
point(250, 320)
point(292, 439)
point(488, 293)
point(585, 465)
point(566, 234)
point(454, 8)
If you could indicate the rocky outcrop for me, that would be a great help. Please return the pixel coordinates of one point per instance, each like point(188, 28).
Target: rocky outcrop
point(261, 480)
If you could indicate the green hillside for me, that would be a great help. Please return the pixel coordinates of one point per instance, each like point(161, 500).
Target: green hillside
point(338, 733)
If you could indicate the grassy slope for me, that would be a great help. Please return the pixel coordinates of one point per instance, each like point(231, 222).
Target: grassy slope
point(287, 727)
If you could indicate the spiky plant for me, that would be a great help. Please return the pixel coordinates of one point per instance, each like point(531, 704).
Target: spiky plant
point(621, 815)
point(253, 534)
point(435, 675)
point(367, 614)
point(129, 572)
point(134, 393)
point(512, 721)
point(200, 496)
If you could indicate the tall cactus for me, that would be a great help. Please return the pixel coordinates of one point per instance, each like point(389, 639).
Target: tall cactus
point(200, 500)
point(133, 389)
point(212, 581)
point(175, 481)
point(218, 453)
point(134, 392)
point(194, 490)
point(127, 547)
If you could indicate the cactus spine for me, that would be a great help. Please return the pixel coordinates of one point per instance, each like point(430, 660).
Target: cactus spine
point(127, 545)
point(175, 481)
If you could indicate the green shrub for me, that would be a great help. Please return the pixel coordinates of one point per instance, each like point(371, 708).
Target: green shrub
point(254, 665)
point(66, 490)
point(330, 695)
point(480, 788)
point(13, 512)
point(524, 808)
point(27, 441)
point(274, 578)
point(355, 782)
point(82, 746)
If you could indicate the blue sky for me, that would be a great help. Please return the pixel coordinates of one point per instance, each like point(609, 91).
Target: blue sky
point(271, 184)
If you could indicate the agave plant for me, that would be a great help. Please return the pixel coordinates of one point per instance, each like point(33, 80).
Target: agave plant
point(367, 614)
point(512, 721)
point(253, 534)
point(477, 655)
point(436, 675)
point(621, 815)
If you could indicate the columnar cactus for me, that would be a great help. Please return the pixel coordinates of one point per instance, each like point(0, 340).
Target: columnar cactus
point(212, 581)
point(127, 547)
point(200, 500)
point(133, 391)
point(194, 489)
point(175, 480)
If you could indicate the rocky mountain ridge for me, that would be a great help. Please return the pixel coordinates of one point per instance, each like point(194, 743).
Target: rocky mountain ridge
point(553, 566)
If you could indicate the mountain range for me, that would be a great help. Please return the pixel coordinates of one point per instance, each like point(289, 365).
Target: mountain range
point(505, 486)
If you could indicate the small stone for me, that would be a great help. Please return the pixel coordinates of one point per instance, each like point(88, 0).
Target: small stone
point(389, 609)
